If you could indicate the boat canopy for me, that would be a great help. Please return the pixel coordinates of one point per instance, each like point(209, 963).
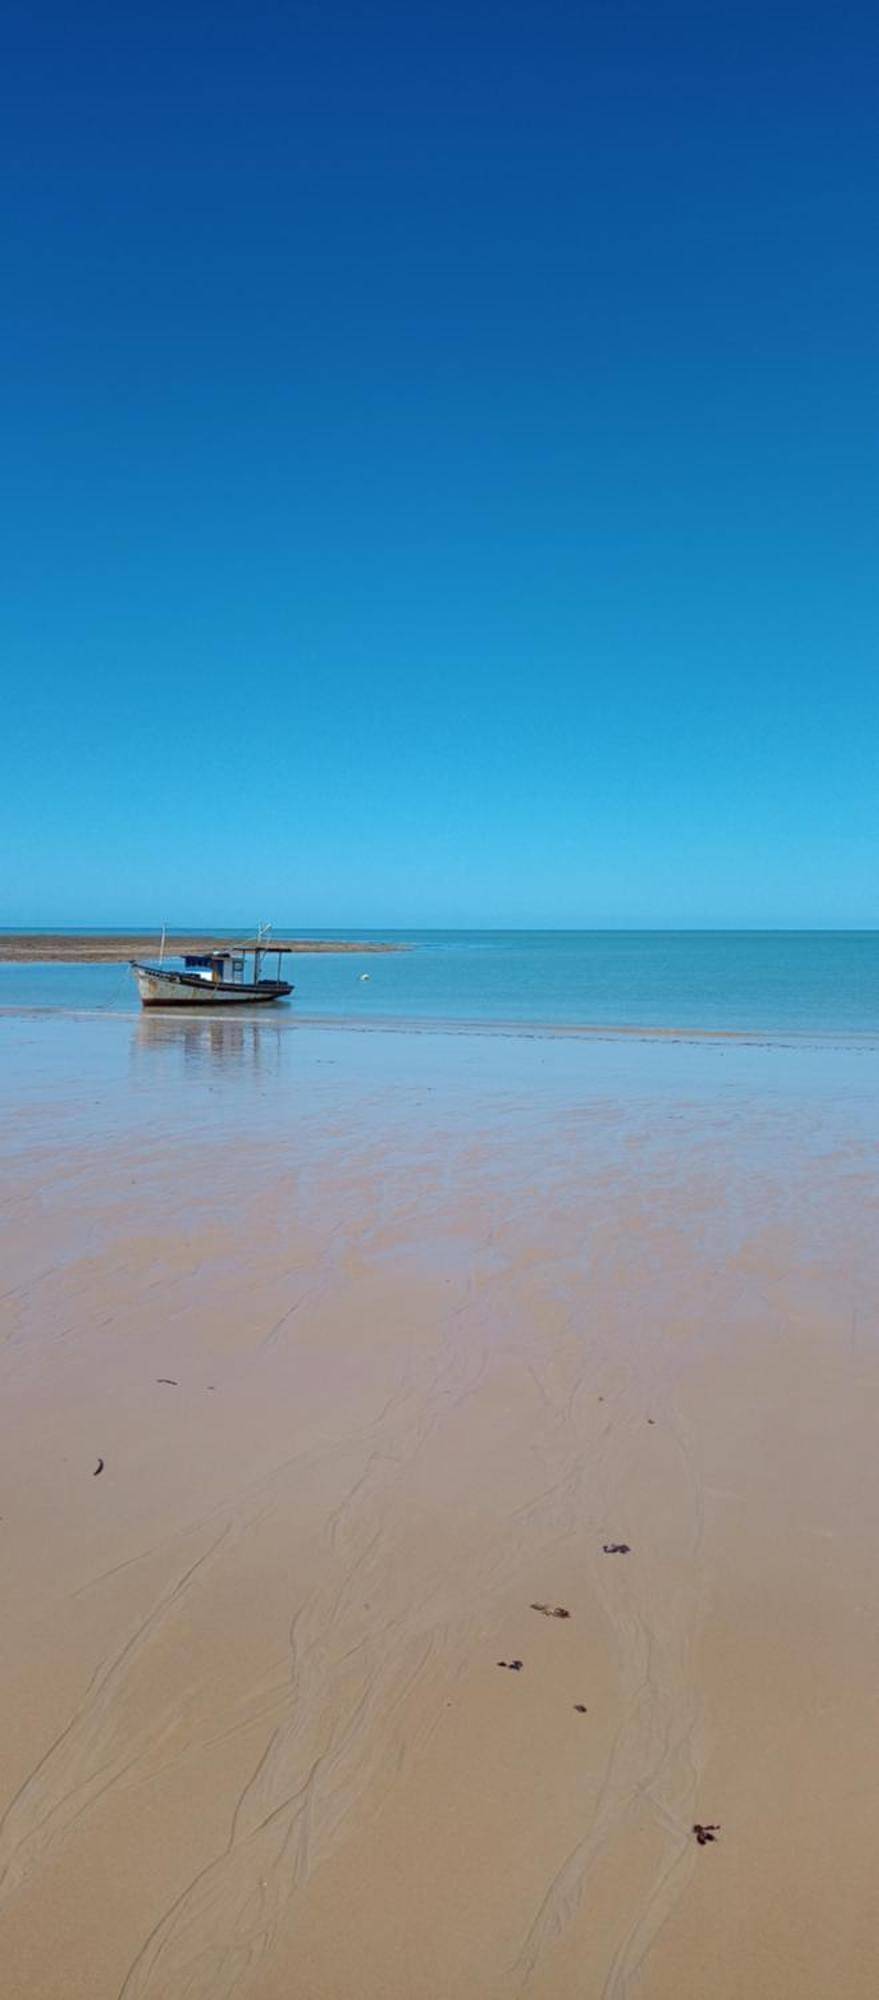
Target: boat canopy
point(197, 961)
point(223, 953)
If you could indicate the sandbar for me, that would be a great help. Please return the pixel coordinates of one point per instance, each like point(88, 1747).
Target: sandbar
point(117, 947)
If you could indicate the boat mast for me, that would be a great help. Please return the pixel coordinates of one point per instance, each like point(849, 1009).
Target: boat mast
point(263, 937)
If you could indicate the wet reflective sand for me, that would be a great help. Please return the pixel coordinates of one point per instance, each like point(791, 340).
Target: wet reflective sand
point(381, 1338)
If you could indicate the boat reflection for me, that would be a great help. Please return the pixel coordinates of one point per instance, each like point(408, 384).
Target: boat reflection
point(196, 1041)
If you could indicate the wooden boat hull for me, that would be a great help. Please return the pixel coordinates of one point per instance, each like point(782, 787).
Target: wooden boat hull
point(158, 988)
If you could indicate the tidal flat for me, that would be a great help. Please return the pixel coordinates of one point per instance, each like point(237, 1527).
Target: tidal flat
point(342, 1372)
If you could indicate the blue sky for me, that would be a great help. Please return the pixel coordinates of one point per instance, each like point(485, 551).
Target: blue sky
point(440, 465)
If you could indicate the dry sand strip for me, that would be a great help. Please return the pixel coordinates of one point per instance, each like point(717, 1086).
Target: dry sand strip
point(117, 947)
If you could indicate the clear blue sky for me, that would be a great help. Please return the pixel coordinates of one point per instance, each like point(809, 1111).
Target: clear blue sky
point(440, 463)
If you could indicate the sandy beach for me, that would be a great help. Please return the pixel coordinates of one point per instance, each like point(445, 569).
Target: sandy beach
point(326, 1358)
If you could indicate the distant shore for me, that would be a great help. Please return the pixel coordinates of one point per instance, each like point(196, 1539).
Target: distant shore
point(116, 947)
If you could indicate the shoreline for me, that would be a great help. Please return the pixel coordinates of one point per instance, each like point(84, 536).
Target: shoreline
point(448, 1025)
point(117, 947)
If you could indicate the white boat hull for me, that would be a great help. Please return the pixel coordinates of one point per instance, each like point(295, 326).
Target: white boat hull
point(180, 989)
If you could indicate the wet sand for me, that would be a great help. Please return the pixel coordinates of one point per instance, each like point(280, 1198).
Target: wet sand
point(440, 1317)
point(117, 947)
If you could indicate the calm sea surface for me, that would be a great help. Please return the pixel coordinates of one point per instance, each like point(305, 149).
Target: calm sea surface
point(804, 982)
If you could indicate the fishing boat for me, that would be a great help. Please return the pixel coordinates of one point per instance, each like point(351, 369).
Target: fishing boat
point(215, 978)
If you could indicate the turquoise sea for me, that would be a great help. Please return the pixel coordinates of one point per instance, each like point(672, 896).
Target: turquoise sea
point(774, 982)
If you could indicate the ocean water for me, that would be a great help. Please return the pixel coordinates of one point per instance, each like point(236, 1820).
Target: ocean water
point(772, 982)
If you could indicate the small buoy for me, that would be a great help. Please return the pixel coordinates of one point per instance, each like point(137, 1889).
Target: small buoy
point(364, 975)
